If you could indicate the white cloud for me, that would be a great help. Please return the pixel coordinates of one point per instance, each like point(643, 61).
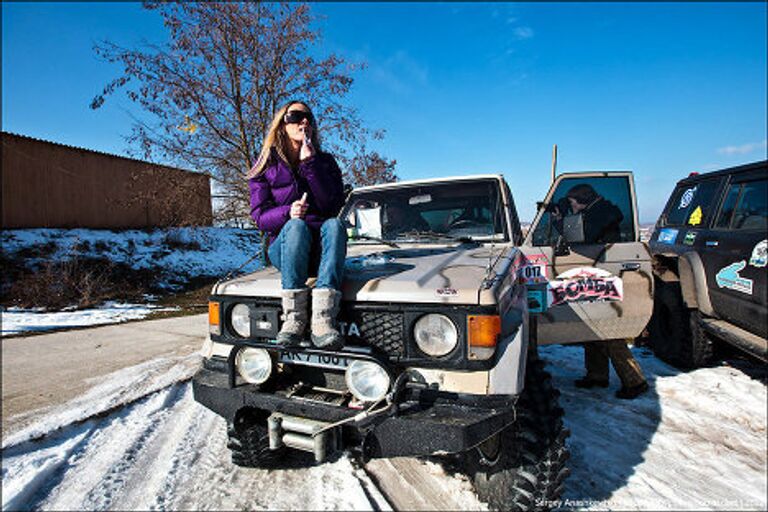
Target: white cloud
point(523, 32)
point(400, 72)
point(744, 148)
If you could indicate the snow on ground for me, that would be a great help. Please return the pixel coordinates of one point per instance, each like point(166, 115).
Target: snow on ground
point(18, 320)
point(175, 253)
point(696, 440)
point(166, 452)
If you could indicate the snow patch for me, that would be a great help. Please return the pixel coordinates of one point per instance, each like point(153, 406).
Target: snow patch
point(18, 320)
point(176, 253)
point(694, 441)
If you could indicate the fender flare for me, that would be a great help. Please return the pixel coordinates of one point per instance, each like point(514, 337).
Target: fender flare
point(693, 283)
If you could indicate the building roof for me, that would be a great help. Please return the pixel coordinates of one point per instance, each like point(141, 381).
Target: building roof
point(27, 137)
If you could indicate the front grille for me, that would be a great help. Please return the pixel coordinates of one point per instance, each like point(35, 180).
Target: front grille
point(378, 329)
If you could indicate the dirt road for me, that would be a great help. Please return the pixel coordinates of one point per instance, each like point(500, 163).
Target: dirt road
point(51, 369)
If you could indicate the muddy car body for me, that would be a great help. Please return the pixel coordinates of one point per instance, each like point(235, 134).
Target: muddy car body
point(440, 352)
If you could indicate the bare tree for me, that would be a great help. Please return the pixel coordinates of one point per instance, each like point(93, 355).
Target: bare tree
point(212, 90)
point(370, 168)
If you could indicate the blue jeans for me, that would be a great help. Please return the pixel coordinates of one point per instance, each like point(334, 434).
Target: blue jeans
point(297, 251)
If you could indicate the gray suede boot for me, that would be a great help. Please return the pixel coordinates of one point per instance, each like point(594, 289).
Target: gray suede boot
point(325, 308)
point(295, 317)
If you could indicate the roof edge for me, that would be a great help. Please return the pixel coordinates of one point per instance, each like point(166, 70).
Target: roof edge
point(430, 180)
point(96, 152)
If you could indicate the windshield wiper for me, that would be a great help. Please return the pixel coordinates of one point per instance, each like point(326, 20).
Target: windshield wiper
point(375, 239)
point(434, 235)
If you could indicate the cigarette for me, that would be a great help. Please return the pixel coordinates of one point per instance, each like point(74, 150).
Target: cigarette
point(304, 198)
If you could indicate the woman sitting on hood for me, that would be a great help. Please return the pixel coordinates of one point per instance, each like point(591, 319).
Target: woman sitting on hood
point(296, 194)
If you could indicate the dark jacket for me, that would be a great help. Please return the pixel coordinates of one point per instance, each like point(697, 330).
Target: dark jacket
point(602, 222)
point(278, 186)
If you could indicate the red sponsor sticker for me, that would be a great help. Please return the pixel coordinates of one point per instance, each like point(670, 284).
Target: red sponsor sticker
point(585, 284)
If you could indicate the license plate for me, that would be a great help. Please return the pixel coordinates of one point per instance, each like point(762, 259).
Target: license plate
point(308, 359)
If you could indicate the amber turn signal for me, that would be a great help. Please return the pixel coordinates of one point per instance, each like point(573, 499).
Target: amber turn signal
point(214, 321)
point(483, 330)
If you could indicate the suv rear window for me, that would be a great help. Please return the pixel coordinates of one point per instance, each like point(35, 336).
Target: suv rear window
point(745, 207)
point(691, 204)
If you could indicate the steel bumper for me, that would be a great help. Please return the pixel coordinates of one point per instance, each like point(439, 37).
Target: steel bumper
point(422, 423)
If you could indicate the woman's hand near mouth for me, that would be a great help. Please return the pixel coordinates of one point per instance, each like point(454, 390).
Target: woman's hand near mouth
point(307, 150)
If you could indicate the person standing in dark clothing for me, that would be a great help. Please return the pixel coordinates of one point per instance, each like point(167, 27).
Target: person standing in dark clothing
point(602, 218)
point(602, 225)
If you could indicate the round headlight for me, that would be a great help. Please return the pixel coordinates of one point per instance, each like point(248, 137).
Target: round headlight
point(435, 335)
point(241, 320)
point(368, 381)
point(254, 365)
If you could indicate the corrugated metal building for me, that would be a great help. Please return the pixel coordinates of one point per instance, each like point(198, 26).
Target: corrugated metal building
point(46, 184)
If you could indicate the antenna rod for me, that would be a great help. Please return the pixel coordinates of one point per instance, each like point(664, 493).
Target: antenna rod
point(554, 161)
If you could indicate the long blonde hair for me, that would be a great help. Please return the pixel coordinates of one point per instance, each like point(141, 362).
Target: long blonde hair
point(277, 138)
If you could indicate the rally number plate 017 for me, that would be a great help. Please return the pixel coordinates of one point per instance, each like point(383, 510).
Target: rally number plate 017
point(335, 362)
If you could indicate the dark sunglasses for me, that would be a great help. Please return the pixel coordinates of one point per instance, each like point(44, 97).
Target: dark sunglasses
point(297, 116)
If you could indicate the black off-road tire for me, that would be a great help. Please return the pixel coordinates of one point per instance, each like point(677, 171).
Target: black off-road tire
point(702, 351)
point(676, 335)
point(249, 442)
point(523, 467)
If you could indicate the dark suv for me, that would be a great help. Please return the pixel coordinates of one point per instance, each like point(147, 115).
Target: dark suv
point(710, 255)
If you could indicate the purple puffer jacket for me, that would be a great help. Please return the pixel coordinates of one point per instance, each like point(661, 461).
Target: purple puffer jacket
point(277, 186)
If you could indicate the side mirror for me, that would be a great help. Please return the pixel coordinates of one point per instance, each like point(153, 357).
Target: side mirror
point(573, 228)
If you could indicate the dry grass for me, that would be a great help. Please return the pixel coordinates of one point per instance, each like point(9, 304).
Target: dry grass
point(79, 281)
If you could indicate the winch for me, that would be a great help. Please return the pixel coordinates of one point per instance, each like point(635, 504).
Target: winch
point(318, 437)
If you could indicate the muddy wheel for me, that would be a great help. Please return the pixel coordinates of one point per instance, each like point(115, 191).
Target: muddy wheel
point(249, 442)
point(676, 336)
point(523, 467)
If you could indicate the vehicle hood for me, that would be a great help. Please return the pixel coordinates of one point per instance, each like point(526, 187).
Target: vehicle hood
point(427, 273)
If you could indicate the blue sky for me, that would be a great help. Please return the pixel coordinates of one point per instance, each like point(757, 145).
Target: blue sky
point(661, 89)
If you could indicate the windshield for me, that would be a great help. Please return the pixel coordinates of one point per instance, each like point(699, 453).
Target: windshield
point(434, 212)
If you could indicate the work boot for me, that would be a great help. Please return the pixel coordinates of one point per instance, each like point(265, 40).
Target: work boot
point(325, 308)
point(295, 317)
point(628, 393)
point(588, 382)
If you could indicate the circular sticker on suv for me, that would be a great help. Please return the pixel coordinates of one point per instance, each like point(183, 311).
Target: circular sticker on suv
point(686, 198)
point(759, 254)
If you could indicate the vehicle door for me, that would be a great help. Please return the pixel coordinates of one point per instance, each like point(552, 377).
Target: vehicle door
point(734, 253)
point(588, 290)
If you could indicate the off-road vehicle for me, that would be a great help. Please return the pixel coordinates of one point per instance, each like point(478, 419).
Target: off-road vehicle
point(710, 255)
point(440, 355)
